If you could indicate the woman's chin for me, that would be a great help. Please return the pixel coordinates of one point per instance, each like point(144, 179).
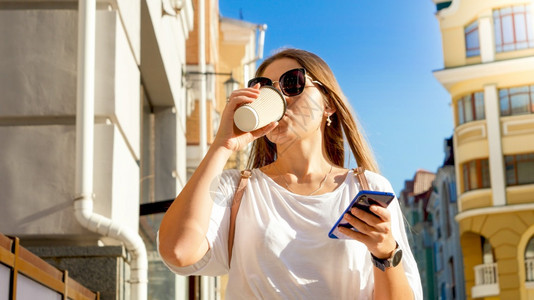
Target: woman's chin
point(272, 137)
point(280, 135)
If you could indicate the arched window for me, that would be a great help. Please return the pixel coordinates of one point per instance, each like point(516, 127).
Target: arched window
point(529, 261)
point(487, 251)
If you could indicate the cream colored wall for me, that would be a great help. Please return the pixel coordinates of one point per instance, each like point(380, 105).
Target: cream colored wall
point(520, 194)
point(514, 54)
point(520, 143)
point(505, 79)
point(472, 254)
point(476, 199)
point(508, 234)
point(471, 150)
point(518, 134)
point(453, 47)
point(231, 57)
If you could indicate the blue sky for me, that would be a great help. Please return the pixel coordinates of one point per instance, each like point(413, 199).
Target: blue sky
point(383, 54)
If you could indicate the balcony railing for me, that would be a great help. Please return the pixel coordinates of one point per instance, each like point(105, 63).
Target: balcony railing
point(486, 274)
point(23, 275)
point(486, 281)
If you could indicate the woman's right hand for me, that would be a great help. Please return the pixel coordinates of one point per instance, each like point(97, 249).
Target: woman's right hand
point(228, 135)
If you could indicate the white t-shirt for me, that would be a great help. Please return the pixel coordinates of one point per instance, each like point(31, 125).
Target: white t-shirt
point(282, 249)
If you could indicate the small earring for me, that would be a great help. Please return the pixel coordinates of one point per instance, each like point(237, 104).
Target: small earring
point(328, 121)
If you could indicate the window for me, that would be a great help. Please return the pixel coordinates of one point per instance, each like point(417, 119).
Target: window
point(452, 191)
point(452, 278)
point(5, 282)
point(513, 28)
point(443, 290)
point(445, 207)
point(471, 108)
point(438, 225)
point(472, 45)
point(529, 251)
point(438, 250)
point(487, 251)
point(517, 100)
point(476, 174)
point(519, 169)
point(529, 261)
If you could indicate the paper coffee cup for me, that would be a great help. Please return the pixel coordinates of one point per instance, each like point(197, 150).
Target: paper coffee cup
point(270, 106)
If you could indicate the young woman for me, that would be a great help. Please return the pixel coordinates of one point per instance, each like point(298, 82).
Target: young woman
point(297, 190)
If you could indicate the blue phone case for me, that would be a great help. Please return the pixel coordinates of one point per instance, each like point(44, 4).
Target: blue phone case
point(363, 200)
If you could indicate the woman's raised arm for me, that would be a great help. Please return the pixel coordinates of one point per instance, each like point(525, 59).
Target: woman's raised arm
point(184, 226)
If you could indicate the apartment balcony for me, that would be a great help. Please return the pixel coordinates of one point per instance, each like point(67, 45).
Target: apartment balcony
point(529, 272)
point(486, 281)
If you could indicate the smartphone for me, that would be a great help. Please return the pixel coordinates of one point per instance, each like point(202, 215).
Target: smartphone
point(363, 201)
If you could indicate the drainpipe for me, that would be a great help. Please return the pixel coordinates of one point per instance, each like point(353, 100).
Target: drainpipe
point(261, 28)
point(205, 282)
point(85, 114)
point(203, 142)
point(261, 41)
point(259, 50)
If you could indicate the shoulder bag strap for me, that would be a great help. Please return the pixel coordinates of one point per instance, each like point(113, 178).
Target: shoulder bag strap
point(236, 202)
point(360, 175)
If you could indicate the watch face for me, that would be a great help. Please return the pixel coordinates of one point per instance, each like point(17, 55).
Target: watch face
point(397, 256)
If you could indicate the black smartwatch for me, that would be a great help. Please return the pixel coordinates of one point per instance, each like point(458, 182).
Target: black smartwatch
point(392, 261)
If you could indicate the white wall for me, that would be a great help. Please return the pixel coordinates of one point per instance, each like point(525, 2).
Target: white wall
point(37, 116)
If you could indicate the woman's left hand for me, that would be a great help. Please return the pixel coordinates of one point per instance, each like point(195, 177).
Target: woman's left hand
point(373, 231)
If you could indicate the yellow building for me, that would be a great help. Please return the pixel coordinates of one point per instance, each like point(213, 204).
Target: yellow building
point(488, 51)
point(231, 50)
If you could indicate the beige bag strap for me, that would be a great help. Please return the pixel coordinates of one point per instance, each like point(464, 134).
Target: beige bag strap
point(236, 202)
point(360, 175)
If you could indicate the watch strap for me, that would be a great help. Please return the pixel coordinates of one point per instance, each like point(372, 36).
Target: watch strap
point(385, 263)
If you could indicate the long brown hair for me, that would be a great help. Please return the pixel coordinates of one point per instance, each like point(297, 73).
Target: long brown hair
point(263, 151)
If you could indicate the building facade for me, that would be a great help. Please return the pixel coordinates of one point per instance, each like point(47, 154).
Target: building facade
point(414, 199)
point(99, 119)
point(488, 49)
point(447, 251)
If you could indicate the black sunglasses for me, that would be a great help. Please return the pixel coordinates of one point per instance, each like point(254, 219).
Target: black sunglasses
point(292, 82)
